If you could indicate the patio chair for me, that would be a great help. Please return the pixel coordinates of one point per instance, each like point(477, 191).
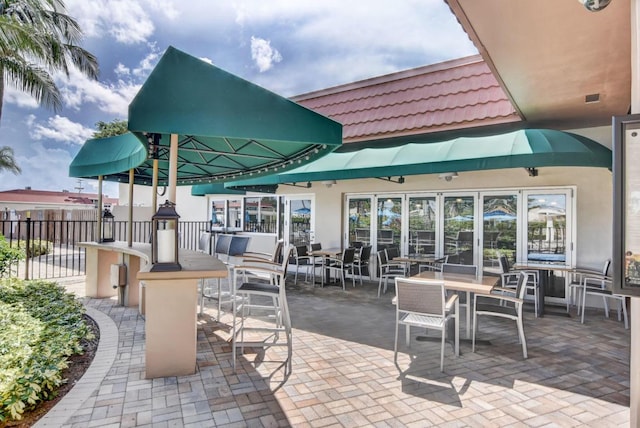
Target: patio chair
point(603, 287)
point(361, 263)
point(204, 243)
point(510, 278)
point(301, 257)
point(421, 303)
point(263, 281)
point(387, 270)
point(576, 285)
point(275, 256)
point(506, 304)
point(435, 265)
point(343, 265)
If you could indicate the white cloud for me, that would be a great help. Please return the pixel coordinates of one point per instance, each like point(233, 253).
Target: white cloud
point(19, 98)
point(122, 70)
point(109, 98)
point(263, 54)
point(61, 129)
point(43, 169)
point(128, 22)
point(147, 63)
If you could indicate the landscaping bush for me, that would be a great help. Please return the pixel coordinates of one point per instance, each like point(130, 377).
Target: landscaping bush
point(8, 257)
point(39, 247)
point(42, 325)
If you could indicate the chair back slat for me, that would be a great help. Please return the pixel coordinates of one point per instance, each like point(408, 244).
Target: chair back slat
point(504, 263)
point(427, 297)
point(365, 253)
point(460, 269)
point(348, 255)
point(316, 246)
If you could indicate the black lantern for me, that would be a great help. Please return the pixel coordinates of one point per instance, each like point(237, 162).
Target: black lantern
point(107, 226)
point(164, 242)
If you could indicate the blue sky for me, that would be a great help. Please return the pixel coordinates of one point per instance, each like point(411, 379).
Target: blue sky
point(287, 46)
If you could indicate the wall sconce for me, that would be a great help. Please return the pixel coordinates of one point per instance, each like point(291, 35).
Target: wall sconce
point(107, 226)
point(329, 183)
point(448, 176)
point(164, 243)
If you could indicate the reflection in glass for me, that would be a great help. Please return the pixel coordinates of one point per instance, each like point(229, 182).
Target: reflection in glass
point(218, 217)
point(389, 222)
point(458, 229)
point(260, 214)
point(499, 224)
point(546, 228)
point(234, 209)
point(422, 225)
point(360, 221)
point(300, 221)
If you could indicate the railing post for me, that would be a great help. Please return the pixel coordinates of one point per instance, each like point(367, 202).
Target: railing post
point(28, 245)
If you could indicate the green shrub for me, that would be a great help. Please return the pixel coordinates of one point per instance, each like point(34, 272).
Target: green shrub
point(39, 247)
point(8, 257)
point(42, 325)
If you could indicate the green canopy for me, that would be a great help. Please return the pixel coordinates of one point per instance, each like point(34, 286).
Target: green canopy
point(106, 156)
point(213, 189)
point(227, 127)
point(529, 148)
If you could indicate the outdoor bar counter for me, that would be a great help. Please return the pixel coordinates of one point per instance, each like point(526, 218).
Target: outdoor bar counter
point(169, 301)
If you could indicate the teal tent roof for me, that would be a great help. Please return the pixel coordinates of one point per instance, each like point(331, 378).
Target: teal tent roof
point(227, 127)
point(107, 156)
point(213, 189)
point(529, 148)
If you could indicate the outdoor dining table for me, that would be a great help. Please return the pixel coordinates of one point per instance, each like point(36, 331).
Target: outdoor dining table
point(324, 254)
point(419, 259)
point(463, 283)
point(545, 275)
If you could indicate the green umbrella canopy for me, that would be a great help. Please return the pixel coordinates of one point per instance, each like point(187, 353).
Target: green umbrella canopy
point(227, 127)
point(107, 156)
point(528, 148)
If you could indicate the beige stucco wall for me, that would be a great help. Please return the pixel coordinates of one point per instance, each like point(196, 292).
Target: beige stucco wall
point(593, 201)
point(190, 208)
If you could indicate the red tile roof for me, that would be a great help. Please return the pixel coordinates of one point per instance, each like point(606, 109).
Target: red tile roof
point(49, 197)
point(457, 94)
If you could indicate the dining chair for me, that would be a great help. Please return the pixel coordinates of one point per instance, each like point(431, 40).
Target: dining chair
point(510, 277)
point(387, 270)
point(576, 283)
point(460, 269)
point(301, 257)
point(264, 281)
point(361, 263)
point(603, 287)
point(506, 303)
point(274, 256)
point(343, 265)
point(435, 265)
point(422, 303)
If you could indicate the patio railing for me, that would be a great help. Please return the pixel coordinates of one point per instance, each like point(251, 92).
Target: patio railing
point(63, 257)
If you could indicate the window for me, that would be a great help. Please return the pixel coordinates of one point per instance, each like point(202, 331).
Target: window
point(261, 214)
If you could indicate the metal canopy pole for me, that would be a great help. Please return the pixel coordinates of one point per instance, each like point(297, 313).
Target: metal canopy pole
point(173, 168)
point(154, 186)
point(130, 228)
point(99, 234)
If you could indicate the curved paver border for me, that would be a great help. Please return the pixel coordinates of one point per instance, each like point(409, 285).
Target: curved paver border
point(93, 377)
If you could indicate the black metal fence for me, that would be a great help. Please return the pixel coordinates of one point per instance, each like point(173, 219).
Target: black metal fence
point(52, 245)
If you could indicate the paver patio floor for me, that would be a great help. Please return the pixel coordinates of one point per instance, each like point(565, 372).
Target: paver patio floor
point(344, 374)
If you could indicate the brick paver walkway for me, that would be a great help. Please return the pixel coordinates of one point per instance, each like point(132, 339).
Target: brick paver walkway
point(344, 375)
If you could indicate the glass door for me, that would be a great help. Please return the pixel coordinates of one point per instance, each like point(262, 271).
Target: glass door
point(548, 221)
point(499, 229)
point(299, 220)
point(459, 234)
point(422, 225)
point(359, 229)
point(389, 222)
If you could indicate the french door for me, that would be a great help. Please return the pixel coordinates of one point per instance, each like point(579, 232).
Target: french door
point(299, 220)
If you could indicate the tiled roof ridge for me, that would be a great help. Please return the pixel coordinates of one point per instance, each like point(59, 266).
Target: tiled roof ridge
point(421, 126)
point(409, 101)
point(391, 77)
point(408, 89)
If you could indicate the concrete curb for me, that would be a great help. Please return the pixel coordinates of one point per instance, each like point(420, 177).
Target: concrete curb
point(91, 380)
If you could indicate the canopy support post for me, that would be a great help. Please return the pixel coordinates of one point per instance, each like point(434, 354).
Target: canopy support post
point(99, 209)
point(130, 221)
point(154, 186)
point(173, 167)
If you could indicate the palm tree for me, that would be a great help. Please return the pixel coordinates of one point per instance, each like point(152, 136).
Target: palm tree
point(37, 38)
point(7, 162)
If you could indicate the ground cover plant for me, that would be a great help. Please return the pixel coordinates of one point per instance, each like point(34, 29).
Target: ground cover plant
point(42, 327)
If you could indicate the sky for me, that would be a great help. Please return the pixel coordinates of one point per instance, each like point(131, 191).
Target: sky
point(289, 47)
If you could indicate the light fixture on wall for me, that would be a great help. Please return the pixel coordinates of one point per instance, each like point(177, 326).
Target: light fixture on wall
point(595, 5)
point(329, 183)
point(448, 176)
